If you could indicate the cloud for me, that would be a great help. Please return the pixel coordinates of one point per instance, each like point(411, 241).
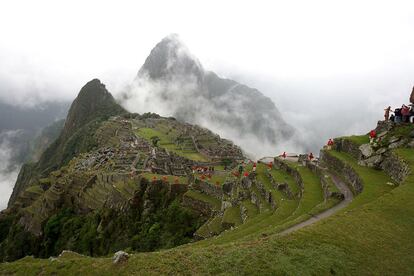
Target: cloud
point(8, 169)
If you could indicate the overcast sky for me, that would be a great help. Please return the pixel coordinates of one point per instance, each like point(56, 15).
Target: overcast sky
point(318, 60)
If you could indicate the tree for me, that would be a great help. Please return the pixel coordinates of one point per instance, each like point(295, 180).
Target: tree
point(155, 140)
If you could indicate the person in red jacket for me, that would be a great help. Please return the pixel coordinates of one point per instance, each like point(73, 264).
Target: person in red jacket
point(330, 144)
point(372, 136)
point(311, 157)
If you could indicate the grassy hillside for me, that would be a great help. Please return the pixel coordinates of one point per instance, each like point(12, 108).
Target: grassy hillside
point(372, 236)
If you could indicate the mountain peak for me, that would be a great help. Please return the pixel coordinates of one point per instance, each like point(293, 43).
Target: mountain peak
point(170, 58)
point(93, 101)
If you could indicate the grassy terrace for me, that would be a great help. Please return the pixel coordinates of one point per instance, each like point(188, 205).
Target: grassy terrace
point(232, 216)
point(375, 182)
point(280, 176)
point(373, 236)
point(167, 142)
point(215, 203)
point(289, 212)
point(358, 139)
point(170, 178)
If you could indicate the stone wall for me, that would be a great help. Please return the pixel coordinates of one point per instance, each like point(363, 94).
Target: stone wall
point(292, 172)
point(200, 206)
point(346, 145)
point(343, 169)
point(326, 186)
point(208, 189)
point(266, 194)
point(395, 167)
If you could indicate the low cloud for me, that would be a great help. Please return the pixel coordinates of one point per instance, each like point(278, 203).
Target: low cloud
point(9, 170)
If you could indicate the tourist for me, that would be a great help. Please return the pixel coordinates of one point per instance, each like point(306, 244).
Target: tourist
point(372, 136)
point(330, 144)
point(270, 166)
point(254, 167)
point(405, 112)
point(392, 118)
point(240, 169)
point(387, 113)
point(398, 115)
point(411, 116)
point(311, 157)
point(284, 155)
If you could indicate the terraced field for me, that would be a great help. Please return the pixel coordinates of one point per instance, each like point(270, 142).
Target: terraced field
point(372, 235)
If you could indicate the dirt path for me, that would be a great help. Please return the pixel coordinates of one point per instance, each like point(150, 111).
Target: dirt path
point(348, 198)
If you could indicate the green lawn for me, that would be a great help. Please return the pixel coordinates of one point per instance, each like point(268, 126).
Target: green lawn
point(167, 142)
point(358, 139)
point(215, 203)
point(232, 216)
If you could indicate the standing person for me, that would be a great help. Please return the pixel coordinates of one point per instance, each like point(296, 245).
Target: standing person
point(240, 169)
point(330, 144)
point(387, 113)
point(311, 157)
point(398, 115)
point(372, 136)
point(405, 112)
point(254, 167)
point(411, 115)
point(284, 155)
point(270, 166)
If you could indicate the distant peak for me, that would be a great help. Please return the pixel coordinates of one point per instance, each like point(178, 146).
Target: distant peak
point(171, 58)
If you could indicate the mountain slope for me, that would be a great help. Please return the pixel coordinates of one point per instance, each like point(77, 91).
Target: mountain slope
point(108, 168)
point(373, 235)
point(93, 105)
point(172, 82)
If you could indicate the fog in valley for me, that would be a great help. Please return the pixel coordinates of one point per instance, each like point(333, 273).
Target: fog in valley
point(329, 69)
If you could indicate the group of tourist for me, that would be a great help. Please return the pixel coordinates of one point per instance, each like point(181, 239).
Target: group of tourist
point(405, 114)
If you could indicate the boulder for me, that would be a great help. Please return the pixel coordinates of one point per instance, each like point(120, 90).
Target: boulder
point(120, 257)
point(397, 144)
point(366, 150)
point(412, 134)
point(372, 162)
point(394, 139)
point(381, 151)
point(411, 144)
point(382, 134)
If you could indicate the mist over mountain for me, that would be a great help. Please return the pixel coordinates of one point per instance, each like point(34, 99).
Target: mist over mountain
point(172, 82)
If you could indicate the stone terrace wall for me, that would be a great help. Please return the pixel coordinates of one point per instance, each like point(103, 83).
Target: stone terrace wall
point(395, 167)
point(294, 173)
point(208, 189)
point(345, 145)
point(343, 169)
point(327, 193)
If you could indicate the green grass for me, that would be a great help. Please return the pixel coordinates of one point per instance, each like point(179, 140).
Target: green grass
point(167, 142)
point(372, 236)
point(281, 176)
point(232, 216)
point(358, 139)
point(375, 181)
point(35, 189)
point(213, 202)
point(252, 210)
